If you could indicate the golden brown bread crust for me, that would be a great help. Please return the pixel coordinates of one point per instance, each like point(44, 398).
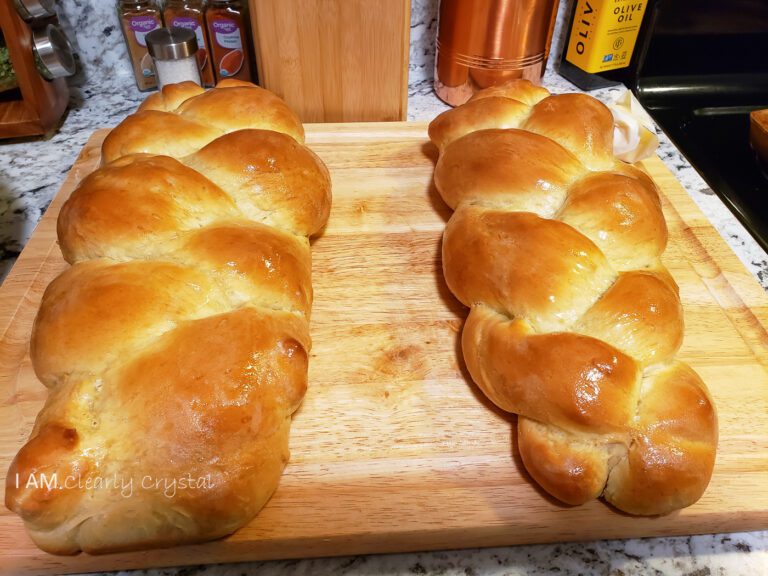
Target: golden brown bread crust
point(520, 90)
point(271, 177)
point(583, 126)
point(171, 97)
point(492, 112)
point(575, 382)
point(487, 259)
point(97, 312)
point(155, 132)
point(174, 411)
point(572, 467)
point(509, 167)
point(257, 263)
point(621, 215)
point(181, 119)
point(236, 105)
point(574, 322)
point(674, 439)
point(640, 314)
point(175, 347)
point(135, 205)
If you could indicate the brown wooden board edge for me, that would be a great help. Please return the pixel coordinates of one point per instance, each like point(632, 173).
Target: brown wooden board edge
point(361, 544)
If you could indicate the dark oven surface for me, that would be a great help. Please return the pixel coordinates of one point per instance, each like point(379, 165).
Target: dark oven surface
point(716, 142)
point(705, 68)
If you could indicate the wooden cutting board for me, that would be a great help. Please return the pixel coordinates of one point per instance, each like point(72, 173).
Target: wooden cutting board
point(394, 449)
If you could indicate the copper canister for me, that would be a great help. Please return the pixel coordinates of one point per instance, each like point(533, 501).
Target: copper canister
point(481, 43)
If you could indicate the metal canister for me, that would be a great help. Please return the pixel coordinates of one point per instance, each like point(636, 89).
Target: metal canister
point(482, 43)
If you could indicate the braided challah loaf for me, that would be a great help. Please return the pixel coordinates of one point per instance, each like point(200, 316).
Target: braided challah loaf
point(574, 322)
point(175, 347)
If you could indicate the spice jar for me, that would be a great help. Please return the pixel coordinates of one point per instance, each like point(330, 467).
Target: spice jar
point(137, 19)
point(53, 53)
point(226, 20)
point(173, 52)
point(35, 9)
point(191, 14)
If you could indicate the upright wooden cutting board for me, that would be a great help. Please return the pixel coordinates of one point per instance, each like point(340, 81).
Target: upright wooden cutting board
point(335, 60)
point(394, 449)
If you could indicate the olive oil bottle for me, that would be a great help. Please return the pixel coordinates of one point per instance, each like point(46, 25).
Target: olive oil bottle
point(606, 41)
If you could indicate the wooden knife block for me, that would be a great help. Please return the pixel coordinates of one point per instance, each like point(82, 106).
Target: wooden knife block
point(42, 102)
point(335, 60)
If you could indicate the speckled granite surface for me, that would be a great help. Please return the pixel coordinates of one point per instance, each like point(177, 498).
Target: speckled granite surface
point(31, 173)
point(725, 555)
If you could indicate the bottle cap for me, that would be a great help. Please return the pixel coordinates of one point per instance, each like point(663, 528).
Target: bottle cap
point(171, 43)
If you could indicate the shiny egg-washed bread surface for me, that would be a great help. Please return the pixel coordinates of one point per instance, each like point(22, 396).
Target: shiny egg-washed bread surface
point(183, 118)
point(175, 347)
point(574, 323)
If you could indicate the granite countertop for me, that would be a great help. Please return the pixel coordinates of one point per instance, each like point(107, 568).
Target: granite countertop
point(31, 172)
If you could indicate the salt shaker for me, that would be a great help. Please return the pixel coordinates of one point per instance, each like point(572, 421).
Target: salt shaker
point(173, 53)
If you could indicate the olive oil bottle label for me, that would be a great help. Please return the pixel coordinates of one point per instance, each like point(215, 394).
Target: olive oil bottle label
point(604, 33)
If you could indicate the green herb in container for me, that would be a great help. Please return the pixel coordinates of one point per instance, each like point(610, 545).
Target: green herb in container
point(7, 75)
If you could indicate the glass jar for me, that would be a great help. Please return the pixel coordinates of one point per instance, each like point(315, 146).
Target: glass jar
point(137, 19)
point(191, 14)
point(174, 54)
point(227, 30)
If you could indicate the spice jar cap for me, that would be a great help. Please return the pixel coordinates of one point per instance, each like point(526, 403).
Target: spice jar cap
point(171, 43)
point(31, 9)
point(53, 52)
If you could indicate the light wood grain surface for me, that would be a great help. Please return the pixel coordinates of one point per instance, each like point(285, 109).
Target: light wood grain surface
point(394, 449)
point(335, 60)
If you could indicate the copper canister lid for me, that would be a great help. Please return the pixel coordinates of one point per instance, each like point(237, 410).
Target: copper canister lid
point(482, 43)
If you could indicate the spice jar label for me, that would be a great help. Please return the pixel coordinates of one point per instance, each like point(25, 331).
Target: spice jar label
point(141, 26)
point(190, 24)
point(227, 34)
